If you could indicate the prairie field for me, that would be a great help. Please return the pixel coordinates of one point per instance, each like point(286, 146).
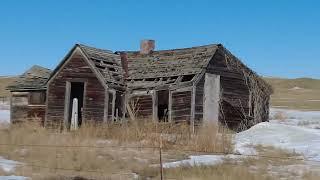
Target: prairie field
point(300, 93)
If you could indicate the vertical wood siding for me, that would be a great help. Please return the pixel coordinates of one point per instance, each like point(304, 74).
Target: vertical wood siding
point(199, 101)
point(181, 106)
point(93, 109)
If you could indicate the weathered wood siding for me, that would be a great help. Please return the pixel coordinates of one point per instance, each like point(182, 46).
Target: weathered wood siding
point(76, 69)
point(235, 109)
point(110, 100)
point(235, 93)
point(181, 106)
point(142, 106)
point(199, 100)
point(22, 111)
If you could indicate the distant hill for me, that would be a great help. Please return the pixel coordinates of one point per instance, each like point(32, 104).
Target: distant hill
point(300, 93)
point(4, 82)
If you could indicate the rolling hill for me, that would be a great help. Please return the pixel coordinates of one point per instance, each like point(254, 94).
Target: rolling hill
point(4, 82)
point(300, 93)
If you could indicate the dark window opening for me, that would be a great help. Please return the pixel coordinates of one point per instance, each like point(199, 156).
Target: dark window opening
point(99, 66)
point(77, 91)
point(186, 78)
point(37, 98)
point(150, 79)
point(112, 69)
point(163, 102)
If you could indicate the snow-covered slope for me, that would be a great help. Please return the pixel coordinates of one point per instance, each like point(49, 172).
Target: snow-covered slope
point(296, 131)
point(299, 139)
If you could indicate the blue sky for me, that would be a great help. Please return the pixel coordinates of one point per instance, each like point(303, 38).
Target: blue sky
point(275, 38)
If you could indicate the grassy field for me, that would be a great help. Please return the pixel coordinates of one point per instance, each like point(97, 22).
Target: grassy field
point(4, 82)
point(105, 153)
point(300, 93)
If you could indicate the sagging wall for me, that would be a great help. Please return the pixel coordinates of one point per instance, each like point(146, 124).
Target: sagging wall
point(235, 108)
point(75, 70)
point(24, 110)
point(234, 92)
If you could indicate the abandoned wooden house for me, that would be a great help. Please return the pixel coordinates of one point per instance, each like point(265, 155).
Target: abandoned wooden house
point(28, 95)
point(193, 85)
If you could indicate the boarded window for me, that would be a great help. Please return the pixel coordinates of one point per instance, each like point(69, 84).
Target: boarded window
point(37, 98)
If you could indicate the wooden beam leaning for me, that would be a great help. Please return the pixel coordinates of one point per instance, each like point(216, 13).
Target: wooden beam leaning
point(67, 104)
point(193, 103)
point(170, 107)
point(106, 106)
point(154, 94)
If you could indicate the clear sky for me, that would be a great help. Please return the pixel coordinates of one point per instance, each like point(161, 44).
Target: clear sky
point(275, 38)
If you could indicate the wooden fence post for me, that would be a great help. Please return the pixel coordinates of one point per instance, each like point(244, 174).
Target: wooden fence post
point(160, 154)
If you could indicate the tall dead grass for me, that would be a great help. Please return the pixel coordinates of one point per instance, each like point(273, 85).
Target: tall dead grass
point(114, 149)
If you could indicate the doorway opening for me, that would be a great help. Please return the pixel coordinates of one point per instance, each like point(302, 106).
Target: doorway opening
point(77, 92)
point(163, 104)
point(119, 103)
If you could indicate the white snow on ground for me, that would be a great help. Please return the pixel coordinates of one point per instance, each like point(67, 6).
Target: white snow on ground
point(296, 88)
point(196, 160)
point(309, 119)
point(4, 116)
point(13, 178)
point(8, 165)
point(299, 139)
point(199, 160)
point(293, 133)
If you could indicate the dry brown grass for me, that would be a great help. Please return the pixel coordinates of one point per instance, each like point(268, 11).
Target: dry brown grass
point(281, 116)
point(114, 150)
point(287, 166)
point(112, 160)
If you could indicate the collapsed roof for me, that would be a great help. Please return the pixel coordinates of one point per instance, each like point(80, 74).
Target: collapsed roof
point(33, 79)
point(157, 69)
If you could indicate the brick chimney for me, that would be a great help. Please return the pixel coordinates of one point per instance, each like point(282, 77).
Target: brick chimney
point(147, 46)
point(124, 63)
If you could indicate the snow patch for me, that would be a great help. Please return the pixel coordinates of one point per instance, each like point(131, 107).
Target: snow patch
point(201, 160)
point(8, 165)
point(296, 88)
point(301, 140)
point(308, 119)
point(4, 116)
point(13, 178)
